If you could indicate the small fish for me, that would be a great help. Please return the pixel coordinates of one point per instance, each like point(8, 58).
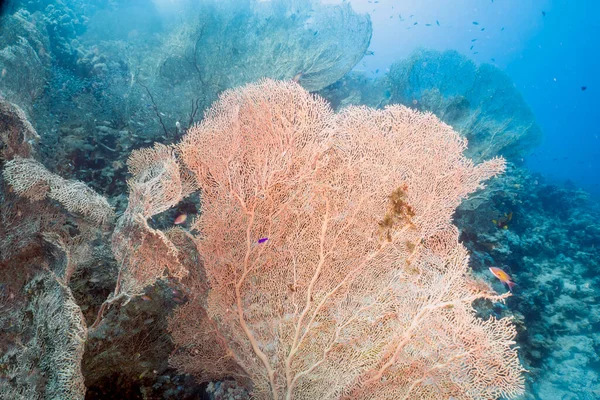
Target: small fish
point(437, 22)
point(471, 48)
point(502, 29)
point(502, 223)
point(146, 298)
point(476, 52)
point(543, 13)
point(473, 40)
point(415, 23)
point(583, 88)
point(482, 29)
point(493, 59)
point(503, 276)
point(369, 53)
point(427, 24)
point(180, 219)
point(262, 240)
point(297, 77)
point(475, 23)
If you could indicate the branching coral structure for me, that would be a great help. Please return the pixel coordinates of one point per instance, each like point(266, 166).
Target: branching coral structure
point(361, 289)
point(480, 102)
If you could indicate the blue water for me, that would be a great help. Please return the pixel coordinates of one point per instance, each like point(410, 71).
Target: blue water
point(549, 58)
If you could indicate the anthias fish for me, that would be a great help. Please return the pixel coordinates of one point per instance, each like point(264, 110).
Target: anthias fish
point(180, 219)
point(503, 276)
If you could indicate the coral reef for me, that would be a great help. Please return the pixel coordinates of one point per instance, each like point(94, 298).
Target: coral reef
point(56, 267)
point(24, 59)
point(227, 44)
point(480, 102)
point(551, 249)
point(48, 340)
point(98, 97)
point(355, 89)
point(85, 266)
point(41, 245)
point(360, 257)
point(30, 179)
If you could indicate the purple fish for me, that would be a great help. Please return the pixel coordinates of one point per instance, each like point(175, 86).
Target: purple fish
point(262, 240)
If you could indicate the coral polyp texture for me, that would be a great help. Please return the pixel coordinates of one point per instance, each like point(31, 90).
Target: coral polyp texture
point(362, 289)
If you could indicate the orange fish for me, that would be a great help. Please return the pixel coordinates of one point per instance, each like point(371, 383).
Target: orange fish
point(503, 276)
point(180, 219)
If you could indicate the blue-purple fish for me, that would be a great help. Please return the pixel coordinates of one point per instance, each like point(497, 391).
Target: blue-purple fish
point(262, 240)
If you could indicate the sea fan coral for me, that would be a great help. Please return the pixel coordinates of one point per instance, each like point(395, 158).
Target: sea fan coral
point(328, 306)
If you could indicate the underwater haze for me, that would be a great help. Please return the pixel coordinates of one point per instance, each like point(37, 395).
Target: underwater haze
point(546, 47)
point(300, 199)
